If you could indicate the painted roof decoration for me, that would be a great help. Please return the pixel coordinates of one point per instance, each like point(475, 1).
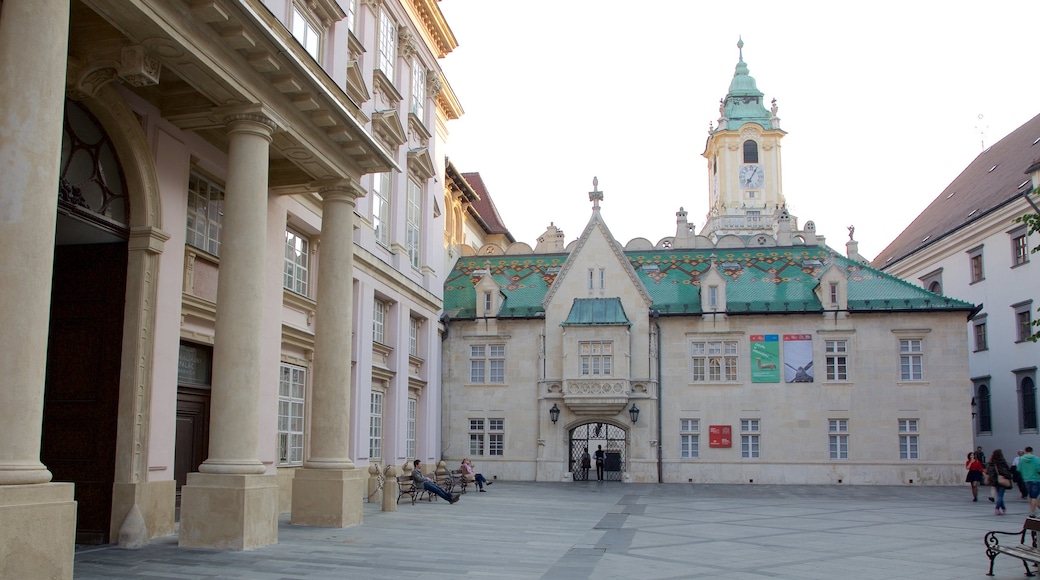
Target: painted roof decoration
point(597, 312)
point(769, 280)
point(744, 102)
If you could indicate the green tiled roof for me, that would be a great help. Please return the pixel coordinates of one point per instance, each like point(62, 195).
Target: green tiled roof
point(596, 311)
point(757, 281)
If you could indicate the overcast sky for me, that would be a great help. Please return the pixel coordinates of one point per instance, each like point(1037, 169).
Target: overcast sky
point(881, 102)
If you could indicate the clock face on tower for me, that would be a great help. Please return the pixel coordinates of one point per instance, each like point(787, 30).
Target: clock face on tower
point(751, 176)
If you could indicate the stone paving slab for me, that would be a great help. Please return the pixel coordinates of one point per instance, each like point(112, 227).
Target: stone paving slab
point(611, 530)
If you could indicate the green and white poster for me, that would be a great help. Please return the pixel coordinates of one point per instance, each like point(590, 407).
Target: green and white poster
point(765, 358)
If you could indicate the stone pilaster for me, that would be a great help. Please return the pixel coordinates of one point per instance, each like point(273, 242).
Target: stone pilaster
point(328, 490)
point(231, 504)
point(37, 518)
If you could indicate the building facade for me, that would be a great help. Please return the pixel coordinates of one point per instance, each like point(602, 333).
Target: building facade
point(967, 244)
point(222, 270)
point(751, 353)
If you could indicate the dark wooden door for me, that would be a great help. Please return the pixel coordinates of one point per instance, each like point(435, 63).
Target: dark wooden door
point(81, 400)
point(192, 433)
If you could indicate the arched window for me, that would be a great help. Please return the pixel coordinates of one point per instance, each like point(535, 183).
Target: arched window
point(750, 151)
point(985, 416)
point(1028, 394)
point(935, 288)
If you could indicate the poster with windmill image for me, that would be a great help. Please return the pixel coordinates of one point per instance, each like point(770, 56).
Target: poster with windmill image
point(798, 358)
point(765, 358)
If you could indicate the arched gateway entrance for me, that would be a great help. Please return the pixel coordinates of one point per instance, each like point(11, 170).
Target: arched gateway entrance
point(590, 436)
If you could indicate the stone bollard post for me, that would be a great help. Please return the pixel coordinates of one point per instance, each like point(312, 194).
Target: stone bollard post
point(373, 484)
point(390, 489)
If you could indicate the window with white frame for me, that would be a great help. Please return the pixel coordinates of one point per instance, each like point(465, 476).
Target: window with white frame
point(413, 227)
point(375, 425)
point(597, 358)
point(487, 363)
point(409, 438)
point(496, 437)
point(1023, 320)
point(297, 256)
point(975, 265)
point(911, 359)
point(387, 45)
point(838, 430)
point(381, 207)
point(379, 321)
point(205, 214)
point(749, 438)
point(979, 328)
point(350, 8)
point(413, 336)
point(1019, 247)
point(292, 384)
point(689, 438)
point(476, 437)
point(836, 360)
point(714, 361)
point(419, 90)
point(834, 293)
point(306, 30)
point(908, 442)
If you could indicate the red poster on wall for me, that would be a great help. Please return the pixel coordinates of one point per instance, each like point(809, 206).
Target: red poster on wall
point(720, 436)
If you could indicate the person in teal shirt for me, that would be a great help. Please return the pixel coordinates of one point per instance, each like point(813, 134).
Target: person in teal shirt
point(1029, 469)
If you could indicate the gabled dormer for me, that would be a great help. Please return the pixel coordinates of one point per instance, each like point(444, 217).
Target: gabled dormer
point(489, 295)
point(713, 290)
point(833, 290)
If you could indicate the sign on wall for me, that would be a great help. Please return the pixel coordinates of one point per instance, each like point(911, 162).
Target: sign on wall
point(798, 358)
point(720, 436)
point(765, 358)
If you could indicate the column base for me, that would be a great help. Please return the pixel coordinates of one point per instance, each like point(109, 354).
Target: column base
point(327, 498)
point(37, 530)
point(155, 499)
point(228, 511)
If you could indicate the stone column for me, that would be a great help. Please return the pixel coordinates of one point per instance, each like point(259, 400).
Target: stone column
point(328, 490)
point(35, 514)
point(230, 504)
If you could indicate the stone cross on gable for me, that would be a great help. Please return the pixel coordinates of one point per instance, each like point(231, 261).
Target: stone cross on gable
point(595, 196)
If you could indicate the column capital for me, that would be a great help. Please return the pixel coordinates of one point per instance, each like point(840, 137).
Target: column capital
point(250, 113)
point(339, 189)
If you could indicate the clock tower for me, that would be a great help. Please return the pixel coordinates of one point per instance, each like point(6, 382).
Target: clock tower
point(743, 153)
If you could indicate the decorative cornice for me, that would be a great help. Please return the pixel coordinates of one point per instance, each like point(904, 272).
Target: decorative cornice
point(436, 26)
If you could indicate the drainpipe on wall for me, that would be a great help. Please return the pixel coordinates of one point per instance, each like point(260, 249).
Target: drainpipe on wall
point(660, 390)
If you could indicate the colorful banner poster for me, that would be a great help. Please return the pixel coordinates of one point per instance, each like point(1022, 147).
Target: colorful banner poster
point(798, 358)
point(765, 358)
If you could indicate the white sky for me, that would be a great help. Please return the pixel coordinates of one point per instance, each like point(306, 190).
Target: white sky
point(880, 102)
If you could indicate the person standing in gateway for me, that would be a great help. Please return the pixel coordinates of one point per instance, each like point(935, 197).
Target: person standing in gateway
point(600, 458)
point(1029, 469)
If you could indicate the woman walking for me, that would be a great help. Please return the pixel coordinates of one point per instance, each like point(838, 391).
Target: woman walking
point(996, 468)
point(975, 470)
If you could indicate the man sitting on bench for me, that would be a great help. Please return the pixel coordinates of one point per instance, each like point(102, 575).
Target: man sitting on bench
point(419, 479)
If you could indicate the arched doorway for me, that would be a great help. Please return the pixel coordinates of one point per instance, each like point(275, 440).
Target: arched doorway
point(591, 436)
point(88, 296)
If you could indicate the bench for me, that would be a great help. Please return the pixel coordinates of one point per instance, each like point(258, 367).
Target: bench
point(460, 480)
point(1023, 551)
point(405, 486)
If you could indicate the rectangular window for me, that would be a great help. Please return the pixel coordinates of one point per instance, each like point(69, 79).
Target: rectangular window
point(496, 437)
point(381, 207)
point(487, 303)
point(602, 278)
point(1019, 248)
point(908, 439)
point(714, 361)
point(754, 216)
point(975, 261)
point(838, 430)
point(597, 358)
point(749, 438)
point(911, 360)
point(379, 322)
point(477, 363)
point(205, 214)
point(713, 296)
point(834, 293)
point(413, 229)
point(490, 358)
point(980, 335)
point(413, 337)
point(387, 45)
point(306, 32)
point(375, 426)
point(1023, 320)
point(476, 437)
point(689, 438)
point(409, 440)
point(350, 7)
point(419, 90)
point(297, 257)
point(292, 384)
point(497, 363)
point(836, 360)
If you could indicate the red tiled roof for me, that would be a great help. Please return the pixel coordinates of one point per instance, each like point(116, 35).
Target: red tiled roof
point(485, 207)
point(996, 177)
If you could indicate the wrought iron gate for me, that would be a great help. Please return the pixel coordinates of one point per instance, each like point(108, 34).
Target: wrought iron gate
point(590, 436)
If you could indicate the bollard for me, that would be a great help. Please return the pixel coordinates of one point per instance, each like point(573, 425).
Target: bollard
point(390, 489)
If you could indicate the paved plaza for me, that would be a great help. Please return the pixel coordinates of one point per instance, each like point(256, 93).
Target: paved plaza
point(613, 530)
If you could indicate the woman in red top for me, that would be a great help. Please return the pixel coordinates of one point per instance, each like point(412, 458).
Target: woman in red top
point(975, 471)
